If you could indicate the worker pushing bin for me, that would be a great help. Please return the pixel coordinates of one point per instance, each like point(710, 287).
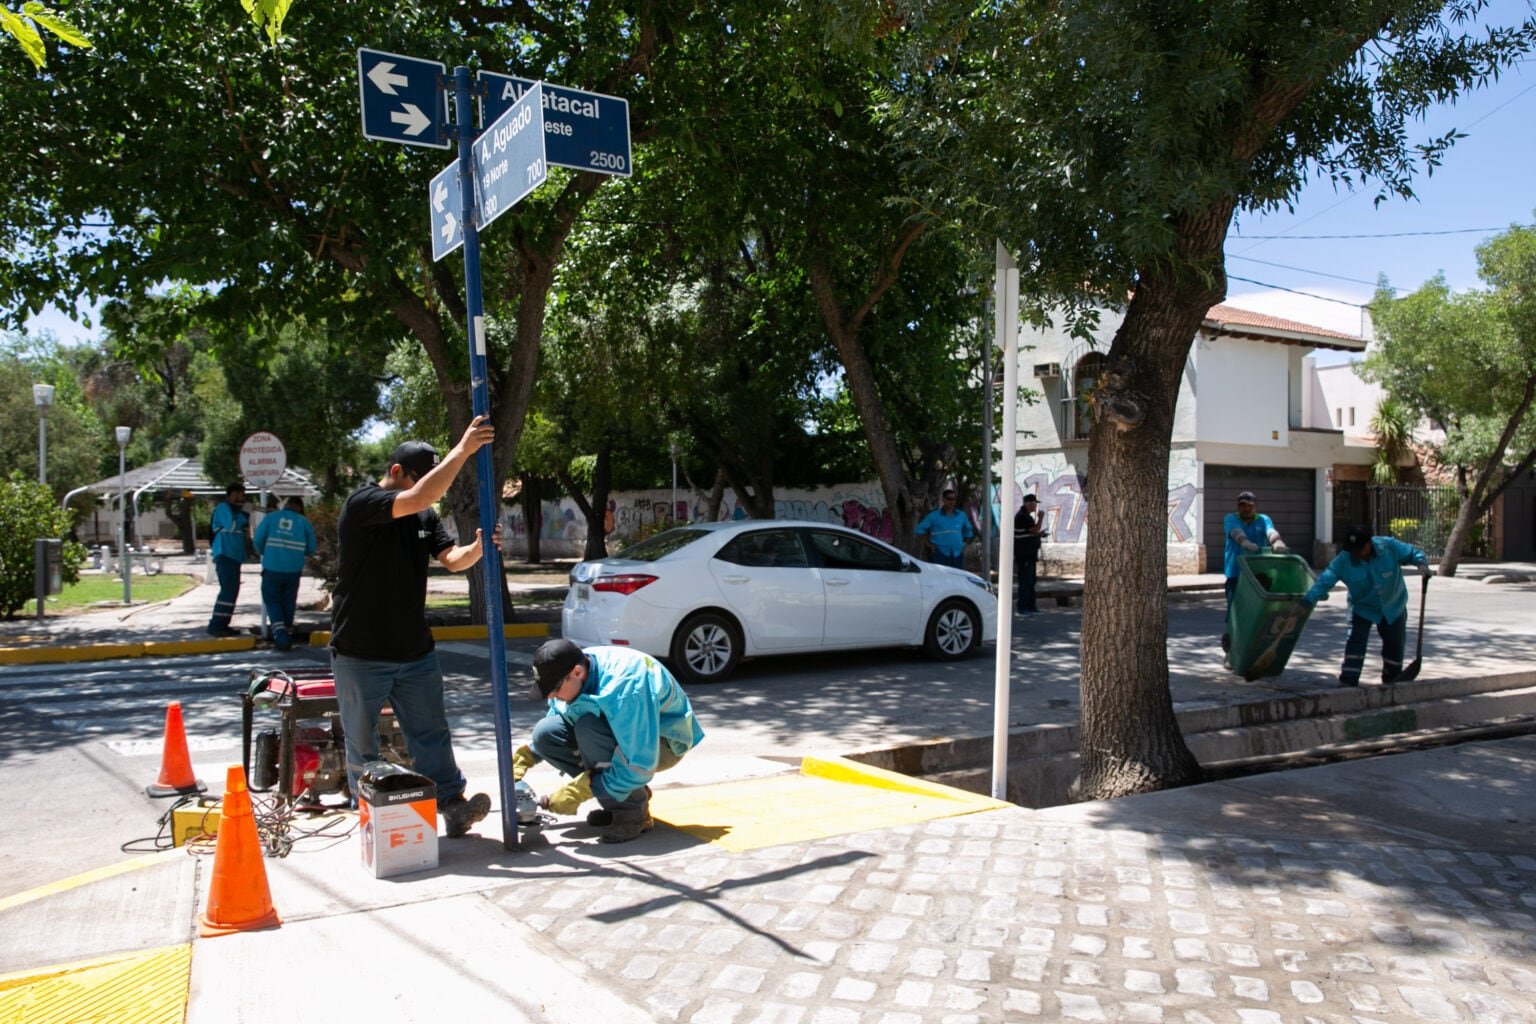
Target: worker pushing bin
point(1266, 617)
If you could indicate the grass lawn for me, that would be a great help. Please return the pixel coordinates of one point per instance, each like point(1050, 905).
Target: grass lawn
point(97, 589)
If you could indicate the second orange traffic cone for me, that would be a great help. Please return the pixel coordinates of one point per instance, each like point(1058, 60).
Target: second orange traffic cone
point(238, 897)
point(176, 778)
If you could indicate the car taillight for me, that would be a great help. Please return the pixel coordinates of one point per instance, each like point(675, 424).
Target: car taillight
point(621, 584)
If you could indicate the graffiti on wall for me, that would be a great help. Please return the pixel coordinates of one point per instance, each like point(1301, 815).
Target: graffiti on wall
point(1061, 490)
point(1183, 490)
point(859, 507)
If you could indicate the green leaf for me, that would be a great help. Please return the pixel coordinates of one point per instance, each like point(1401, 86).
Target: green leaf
point(66, 32)
point(26, 35)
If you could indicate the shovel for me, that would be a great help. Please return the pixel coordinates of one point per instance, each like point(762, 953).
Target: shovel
point(1411, 673)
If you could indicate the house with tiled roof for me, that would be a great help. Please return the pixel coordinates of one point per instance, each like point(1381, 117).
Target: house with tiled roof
point(1243, 422)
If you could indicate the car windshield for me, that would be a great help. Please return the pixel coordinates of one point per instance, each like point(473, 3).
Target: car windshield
point(661, 545)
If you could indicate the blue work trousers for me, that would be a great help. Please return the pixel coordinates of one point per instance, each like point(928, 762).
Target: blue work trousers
point(956, 560)
point(414, 689)
point(1393, 635)
point(228, 572)
point(280, 597)
point(589, 746)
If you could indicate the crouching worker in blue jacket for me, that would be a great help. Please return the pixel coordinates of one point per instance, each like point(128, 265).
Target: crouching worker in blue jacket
point(616, 718)
point(1372, 569)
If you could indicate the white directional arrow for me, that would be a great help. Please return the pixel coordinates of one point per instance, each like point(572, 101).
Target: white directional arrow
point(414, 120)
point(449, 228)
point(383, 75)
point(440, 197)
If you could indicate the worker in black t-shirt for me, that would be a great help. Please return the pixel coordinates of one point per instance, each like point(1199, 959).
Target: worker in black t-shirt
point(381, 647)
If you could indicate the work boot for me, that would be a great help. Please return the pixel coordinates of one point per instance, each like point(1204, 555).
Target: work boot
point(630, 828)
point(460, 815)
point(602, 817)
point(222, 632)
point(281, 640)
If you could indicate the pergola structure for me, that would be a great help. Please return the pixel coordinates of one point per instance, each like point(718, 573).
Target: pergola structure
point(183, 478)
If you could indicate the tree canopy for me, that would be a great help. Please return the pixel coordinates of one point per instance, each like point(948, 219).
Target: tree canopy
point(1468, 362)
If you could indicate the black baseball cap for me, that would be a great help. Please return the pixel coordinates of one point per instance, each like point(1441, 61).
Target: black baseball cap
point(552, 662)
point(1029, 498)
point(1356, 537)
point(415, 457)
point(1247, 496)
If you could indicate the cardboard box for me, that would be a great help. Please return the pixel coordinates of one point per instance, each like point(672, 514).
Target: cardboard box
point(398, 823)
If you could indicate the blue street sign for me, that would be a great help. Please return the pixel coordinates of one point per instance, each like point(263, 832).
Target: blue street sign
point(445, 203)
point(587, 131)
point(403, 99)
point(509, 157)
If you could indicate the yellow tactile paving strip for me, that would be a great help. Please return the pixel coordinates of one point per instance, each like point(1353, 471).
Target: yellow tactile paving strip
point(830, 797)
point(148, 987)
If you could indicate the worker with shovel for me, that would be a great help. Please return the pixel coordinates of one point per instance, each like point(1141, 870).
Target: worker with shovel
point(1372, 570)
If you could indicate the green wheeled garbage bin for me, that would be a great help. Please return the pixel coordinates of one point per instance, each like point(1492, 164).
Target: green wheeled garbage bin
point(1266, 617)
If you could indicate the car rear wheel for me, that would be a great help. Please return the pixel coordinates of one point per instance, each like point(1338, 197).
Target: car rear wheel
point(706, 648)
point(954, 631)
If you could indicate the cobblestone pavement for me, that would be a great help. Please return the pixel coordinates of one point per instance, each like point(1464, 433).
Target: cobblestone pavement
point(996, 916)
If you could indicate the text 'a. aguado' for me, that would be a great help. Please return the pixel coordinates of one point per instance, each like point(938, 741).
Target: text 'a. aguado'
point(501, 135)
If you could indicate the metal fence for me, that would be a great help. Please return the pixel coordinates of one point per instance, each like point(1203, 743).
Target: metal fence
point(1422, 516)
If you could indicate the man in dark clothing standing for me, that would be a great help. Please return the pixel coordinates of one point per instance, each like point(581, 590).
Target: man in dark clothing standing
point(1027, 528)
point(381, 647)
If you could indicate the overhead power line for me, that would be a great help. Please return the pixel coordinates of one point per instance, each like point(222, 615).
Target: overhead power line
point(1394, 234)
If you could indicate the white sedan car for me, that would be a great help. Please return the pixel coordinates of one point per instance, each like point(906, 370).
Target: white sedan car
point(702, 597)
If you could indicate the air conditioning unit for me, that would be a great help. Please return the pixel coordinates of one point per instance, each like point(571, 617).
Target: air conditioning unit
point(1047, 370)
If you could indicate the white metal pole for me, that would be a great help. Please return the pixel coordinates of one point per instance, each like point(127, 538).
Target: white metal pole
point(124, 562)
point(1006, 324)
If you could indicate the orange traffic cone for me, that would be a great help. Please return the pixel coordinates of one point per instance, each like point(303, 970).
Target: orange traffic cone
point(176, 778)
point(238, 898)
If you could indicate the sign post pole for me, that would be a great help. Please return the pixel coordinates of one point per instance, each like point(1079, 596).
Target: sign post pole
point(490, 562)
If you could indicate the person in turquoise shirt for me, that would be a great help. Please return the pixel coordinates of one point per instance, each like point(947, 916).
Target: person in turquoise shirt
point(1372, 570)
point(616, 717)
point(283, 540)
point(945, 530)
point(228, 550)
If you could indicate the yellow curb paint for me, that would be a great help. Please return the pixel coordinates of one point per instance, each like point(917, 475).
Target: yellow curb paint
point(50, 655)
point(797, 808)
point(844, 769)
point(319, 639)
point(513, 631)
point(148, 987)
point(75, 881)
point(155, 647)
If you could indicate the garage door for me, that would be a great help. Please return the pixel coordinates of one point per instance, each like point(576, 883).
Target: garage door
point(1285, 495)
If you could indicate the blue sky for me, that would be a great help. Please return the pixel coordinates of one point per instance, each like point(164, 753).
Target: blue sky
point(1487, 181)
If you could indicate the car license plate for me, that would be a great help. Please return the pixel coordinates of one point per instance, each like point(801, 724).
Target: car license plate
point(583, 591)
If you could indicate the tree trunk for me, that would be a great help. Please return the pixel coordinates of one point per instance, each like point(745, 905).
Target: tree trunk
point(533, 516)
point(1480, 497)
point(595, 511)
point(1130, 739)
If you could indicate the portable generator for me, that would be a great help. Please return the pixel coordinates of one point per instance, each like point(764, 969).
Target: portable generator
point(304, 756)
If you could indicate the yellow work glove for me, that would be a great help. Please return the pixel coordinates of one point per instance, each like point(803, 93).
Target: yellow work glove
point(523, 758)
point(570, 796)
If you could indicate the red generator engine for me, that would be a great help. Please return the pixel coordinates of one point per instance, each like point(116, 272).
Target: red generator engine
point(304, 756)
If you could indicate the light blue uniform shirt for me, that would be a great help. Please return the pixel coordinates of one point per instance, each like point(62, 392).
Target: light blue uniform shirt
point(1376, 588)
point(284, 539)
point(643, 706)
point(228, 532)
point(947, 533)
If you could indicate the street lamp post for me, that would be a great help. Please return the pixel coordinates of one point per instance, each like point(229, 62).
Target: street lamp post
point(42, 397)
point(674, 450)
point(123, 434)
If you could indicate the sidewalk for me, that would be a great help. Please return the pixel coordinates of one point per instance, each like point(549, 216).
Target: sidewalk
point(1393, 889)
